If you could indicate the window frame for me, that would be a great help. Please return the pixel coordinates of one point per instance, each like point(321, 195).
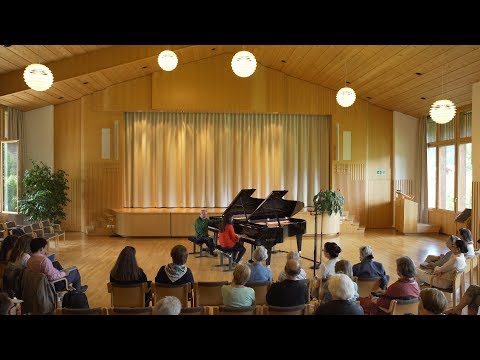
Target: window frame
point(2, 178)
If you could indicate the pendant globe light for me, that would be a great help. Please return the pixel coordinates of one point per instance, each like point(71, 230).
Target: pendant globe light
point(442, 111)
point(244, 63)
point(346, 96)
point(37, 76)
point(167, 60)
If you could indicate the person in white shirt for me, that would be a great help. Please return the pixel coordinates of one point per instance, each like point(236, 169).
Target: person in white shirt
point(293, 255)
point(446, 272)
point(327, 268)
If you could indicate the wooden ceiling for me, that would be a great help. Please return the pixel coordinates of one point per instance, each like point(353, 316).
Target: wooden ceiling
point(405, 78)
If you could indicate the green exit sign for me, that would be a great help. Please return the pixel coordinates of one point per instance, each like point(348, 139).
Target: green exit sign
point(380, 172)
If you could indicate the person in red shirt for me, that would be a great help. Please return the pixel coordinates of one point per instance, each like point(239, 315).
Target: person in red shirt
point(231, 241)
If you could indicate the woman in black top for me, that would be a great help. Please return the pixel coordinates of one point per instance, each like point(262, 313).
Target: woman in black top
point(127, 271)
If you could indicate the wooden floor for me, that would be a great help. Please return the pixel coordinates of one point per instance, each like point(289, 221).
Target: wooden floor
point(95, 255)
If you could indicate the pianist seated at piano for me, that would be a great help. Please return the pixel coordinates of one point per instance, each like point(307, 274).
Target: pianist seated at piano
point(258, 271)
point(230, 241)
point(331, 251)
point(295, 256)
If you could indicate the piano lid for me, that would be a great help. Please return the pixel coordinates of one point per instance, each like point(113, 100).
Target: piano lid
point(243, 203)
point(274, 206)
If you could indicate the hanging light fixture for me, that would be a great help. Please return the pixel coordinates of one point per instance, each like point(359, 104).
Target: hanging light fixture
point(37, 76)
point(346, 96)
point(442, 111)
point(167, 60)
point(244, 63)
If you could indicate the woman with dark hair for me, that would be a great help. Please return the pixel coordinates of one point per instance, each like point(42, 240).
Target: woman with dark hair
point(446, 273)
point(176, 272)
point(231, 241)
point(327, 268)
point(466, 235)
point(7, 246)
point(367, 268)
point(21, 250)
point(127, 271)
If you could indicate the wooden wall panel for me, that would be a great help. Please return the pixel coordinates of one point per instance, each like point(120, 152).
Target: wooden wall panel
point(404, 185)
point(475, 210)
point(444, 219)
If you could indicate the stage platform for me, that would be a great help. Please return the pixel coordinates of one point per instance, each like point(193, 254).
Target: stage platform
point(171, 222)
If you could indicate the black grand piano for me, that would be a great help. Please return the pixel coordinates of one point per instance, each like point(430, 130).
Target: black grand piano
point(264, 221)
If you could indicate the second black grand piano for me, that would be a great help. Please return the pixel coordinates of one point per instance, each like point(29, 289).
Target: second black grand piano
point(269, 223)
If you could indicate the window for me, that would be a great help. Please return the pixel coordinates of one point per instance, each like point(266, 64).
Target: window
point(449, 163)
point(10, 176)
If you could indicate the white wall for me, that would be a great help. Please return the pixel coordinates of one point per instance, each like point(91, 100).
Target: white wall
point(405, 132)
point(38, 128)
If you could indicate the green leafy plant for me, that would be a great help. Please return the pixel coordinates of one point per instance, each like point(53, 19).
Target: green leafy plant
point(44, 193)
point(328, 201)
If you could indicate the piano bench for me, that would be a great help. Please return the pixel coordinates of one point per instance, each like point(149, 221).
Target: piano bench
point(227, 253)
point(200, 252)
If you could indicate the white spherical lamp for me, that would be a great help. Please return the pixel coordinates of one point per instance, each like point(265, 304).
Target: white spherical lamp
point(38, 77)
point(167, 60)
point(442, 111)
point(346, 96)
point(244, 64)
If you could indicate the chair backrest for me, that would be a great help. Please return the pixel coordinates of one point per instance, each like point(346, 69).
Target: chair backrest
point(307, 282)
point(129, 311)
point(92, 311)
point(209, 293)
point(402, 307)
point(286, 310)
point(127, 295)
point(244, 310)
point(198, 310)
point(261, 288)
point(367, 285)
point(181, 292)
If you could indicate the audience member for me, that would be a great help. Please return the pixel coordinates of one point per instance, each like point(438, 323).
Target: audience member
point(9, 306)
point(341, 267)
point(21, 250)
point(406, 287)
point(466, 235)
point(176, 272)
point(39, 262)
point(289, 292)
point(293, 255)
point(201, 232)
point(432, 302)
point(7, 246)
point(471, 298)
point(231, 241)
point(327, 268)
point(432, 261)
point(446, 273)
point(236, 294)
point(168, 305)
point(367, 268)
point(258, 271)
point(127, 271)
point(342, 289)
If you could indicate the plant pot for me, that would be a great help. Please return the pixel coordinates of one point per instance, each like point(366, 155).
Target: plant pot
point(331, 224)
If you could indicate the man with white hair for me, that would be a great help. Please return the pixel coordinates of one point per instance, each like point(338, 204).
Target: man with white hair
point(367, 268)
point(288, 292)
point(201, 232)
point(293, 255)
point(168, 305)
point(342, 290)
point(258, 271)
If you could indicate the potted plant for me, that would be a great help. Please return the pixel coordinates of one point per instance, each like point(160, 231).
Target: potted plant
point(328, 201)
point(44, 193)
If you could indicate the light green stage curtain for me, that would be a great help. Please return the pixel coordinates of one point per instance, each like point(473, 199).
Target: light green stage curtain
point(205, 159)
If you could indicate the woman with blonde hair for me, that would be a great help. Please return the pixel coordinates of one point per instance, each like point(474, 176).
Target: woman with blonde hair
point(21, 250)
point(236, 294)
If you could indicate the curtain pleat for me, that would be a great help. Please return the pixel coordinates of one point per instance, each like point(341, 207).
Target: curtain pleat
point(205, 159)
point(422, 179)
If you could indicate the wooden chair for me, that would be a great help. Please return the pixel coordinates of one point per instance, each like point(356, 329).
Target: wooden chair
point(208, 293)
point(458, 283)
point(244, 310)
point(285, 310)
point(308, 283)
point(92, 311)
point(129, 311)
point(128, 295)
point(367, 285)
point(57, 230)
point(198, 310)
point(402, 307)
point(475, 265)
point(183, 292)
point(261, 288)
point(40, 232)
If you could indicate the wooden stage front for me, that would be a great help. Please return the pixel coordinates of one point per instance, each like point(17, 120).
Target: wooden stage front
point(171, 222)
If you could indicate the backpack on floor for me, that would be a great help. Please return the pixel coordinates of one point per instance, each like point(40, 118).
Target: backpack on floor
point(75, 299)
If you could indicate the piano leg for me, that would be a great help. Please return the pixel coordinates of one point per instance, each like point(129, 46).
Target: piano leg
point(299, 243)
